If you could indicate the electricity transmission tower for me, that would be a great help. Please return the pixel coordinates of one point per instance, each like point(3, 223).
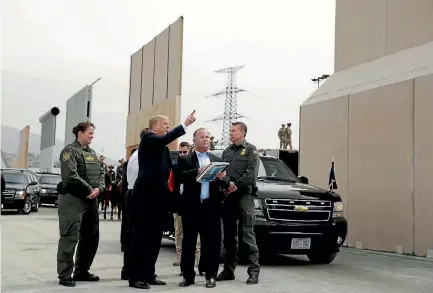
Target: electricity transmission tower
point(230, 114)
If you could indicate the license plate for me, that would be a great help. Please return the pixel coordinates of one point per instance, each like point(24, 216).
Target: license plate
point(301, 243)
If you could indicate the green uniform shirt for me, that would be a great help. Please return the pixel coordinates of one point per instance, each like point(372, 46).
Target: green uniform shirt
point(81, 170)
point(244, 163)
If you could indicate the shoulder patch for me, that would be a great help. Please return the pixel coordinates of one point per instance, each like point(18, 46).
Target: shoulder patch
point(66, 156)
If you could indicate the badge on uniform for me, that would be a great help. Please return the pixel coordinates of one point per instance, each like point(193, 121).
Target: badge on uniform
point(66, 156)
point(89, 159)
point(243, 152)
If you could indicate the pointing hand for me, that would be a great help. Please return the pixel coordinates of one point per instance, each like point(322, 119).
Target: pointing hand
point(190, 119)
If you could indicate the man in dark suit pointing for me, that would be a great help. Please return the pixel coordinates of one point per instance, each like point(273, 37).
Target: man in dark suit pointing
point(149, 197)
point(201, 211)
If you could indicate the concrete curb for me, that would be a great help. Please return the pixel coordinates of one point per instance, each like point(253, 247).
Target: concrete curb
point(387, 254)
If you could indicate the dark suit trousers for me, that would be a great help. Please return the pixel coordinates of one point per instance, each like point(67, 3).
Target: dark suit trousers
point(203, 218)
point(146, 228)
point(125, 233)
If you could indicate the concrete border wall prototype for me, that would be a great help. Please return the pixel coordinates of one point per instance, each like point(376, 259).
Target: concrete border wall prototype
point(155, 83)
point(78, 109)
point(22, 158)
point(374, 115)
point(48, 138)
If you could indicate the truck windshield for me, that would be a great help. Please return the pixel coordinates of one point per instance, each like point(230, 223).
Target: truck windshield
point(272, 168)
point(47, 179)
point(14, 178)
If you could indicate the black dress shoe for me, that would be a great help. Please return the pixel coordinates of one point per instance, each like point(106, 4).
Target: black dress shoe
point(85, 276)
point(210, 283)
point(139, 284)
point(253, 279)
point(225, 276)
point(186, 283)
point(67, 282)
point(157, 282)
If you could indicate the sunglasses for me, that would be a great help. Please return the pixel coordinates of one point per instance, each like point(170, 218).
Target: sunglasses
point(183, 152)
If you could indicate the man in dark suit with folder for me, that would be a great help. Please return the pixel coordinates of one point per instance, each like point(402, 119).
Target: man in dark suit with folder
point(201, 211)
point(148, 199)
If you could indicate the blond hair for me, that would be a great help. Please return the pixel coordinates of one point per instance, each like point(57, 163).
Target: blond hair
point(156, 119)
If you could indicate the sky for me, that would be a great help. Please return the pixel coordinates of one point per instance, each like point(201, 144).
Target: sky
point(50, 49)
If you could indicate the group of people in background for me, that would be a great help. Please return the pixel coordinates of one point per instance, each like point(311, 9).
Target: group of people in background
point(113, 195)
point(153, 185)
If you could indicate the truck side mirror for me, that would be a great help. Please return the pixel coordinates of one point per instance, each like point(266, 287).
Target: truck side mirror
point(303, 179)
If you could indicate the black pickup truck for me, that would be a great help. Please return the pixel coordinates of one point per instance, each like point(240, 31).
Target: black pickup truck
point(293, 217)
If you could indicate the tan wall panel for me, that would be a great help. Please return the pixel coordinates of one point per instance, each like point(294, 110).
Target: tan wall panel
point(161, 65)
point(360, 32)
point(135, 82)
point(423, 164)
point(22, 158)
point(175, 60)
point(409, 24)
point(147, 75)
point(169, 108)
point(381, 168)
point(131, 126)
point(324, 135)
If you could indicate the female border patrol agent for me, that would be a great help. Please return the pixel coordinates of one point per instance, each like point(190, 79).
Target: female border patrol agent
point(82, 182)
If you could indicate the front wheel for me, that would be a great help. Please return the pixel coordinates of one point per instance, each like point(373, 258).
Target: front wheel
point(27, 207)
point(36, 206)
point(322, 257)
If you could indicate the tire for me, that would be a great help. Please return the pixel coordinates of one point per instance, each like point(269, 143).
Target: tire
point(35, 208)
point(27, 207)
point(322, 257)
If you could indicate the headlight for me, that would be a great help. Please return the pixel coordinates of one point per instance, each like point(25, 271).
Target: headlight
point(258, 208)
point(20, 194)
point(43, 190)
point(337, 210)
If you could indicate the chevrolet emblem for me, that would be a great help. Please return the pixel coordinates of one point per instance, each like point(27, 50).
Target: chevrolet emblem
point(301, 208)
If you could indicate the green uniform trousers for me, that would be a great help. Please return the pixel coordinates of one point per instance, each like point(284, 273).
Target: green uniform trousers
point(238, 211)
point(78, 224)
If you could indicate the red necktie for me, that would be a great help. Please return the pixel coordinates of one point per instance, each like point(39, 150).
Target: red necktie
point(171, 181)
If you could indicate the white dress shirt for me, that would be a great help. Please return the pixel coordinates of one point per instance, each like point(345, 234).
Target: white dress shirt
point(132, 170)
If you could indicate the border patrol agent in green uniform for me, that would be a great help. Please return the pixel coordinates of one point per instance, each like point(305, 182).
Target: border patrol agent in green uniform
point(82, 181)
point(239, 205)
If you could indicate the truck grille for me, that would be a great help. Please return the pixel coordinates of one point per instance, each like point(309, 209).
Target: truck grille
point(296, 210)
point(9, 193)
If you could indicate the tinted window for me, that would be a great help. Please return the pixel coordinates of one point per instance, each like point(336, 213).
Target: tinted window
point(14, 178)
point(275, 168)
point(49, 179)
point(270, 166)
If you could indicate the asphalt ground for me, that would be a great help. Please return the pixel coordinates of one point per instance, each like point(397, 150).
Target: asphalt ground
point(28, 264)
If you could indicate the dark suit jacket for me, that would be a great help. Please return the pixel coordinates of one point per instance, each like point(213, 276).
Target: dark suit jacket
point(151, 186)
point(188, 166)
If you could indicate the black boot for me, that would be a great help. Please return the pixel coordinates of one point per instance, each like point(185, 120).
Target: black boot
point(225, 276)
point(67, 282)
point(85, 276)
point(253, 279)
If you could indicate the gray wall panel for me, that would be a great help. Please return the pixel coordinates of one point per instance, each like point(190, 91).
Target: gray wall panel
point(78, 109)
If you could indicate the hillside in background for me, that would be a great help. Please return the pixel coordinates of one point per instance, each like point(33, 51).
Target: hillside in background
point(10, 140)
